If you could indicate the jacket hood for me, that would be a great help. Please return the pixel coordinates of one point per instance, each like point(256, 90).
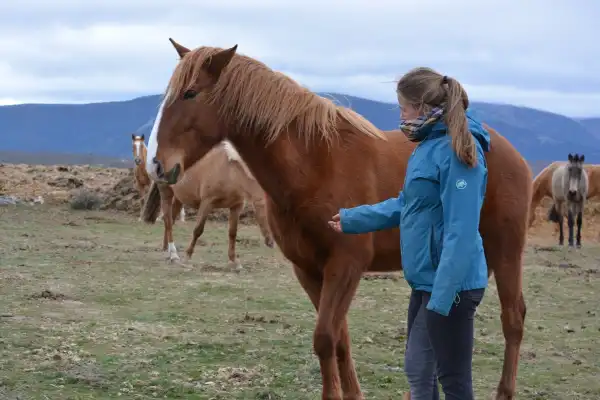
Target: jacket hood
point(475, 127)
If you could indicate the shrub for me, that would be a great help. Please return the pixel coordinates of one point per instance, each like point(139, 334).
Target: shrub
point(85, 199)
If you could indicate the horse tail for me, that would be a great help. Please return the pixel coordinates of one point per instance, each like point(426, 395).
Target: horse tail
point(553, 214)
point(151, 205)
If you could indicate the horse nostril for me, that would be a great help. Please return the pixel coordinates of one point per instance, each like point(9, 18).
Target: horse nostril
point(159, 171)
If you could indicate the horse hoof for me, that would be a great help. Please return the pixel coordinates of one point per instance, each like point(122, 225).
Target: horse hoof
point(235, 265)
point(269, 242)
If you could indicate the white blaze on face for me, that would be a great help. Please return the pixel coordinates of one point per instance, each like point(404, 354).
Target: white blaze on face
point(153, 143)
point(138, 147)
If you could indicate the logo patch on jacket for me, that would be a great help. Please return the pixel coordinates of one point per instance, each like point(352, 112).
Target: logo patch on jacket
point(461, 184)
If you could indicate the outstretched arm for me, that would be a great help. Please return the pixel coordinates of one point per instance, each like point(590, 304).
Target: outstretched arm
point(462, 191)
point(372, 217)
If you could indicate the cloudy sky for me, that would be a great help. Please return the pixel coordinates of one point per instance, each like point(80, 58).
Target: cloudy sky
point(542, 54)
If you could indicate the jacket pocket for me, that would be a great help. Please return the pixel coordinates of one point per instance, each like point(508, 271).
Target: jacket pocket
point(433, 252)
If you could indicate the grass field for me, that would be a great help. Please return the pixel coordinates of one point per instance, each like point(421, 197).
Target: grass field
point(89, 310)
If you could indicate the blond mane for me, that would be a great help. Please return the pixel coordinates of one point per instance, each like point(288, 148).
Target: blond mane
point(259, 99)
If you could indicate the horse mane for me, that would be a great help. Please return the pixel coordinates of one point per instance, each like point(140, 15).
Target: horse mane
point(234, 156)
point(256, 98)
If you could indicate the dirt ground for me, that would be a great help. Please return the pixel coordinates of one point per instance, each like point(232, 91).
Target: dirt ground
point(89, 309)
point(115, 186)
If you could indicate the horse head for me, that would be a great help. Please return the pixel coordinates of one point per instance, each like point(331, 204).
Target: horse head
point(138, 146)
point(187, 125)
point(575, 175)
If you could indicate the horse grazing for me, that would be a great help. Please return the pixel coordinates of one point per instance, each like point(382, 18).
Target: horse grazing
point(141, 180)
point(569, 190)
point(312, 157)
point(542, 185)
point(219, 180)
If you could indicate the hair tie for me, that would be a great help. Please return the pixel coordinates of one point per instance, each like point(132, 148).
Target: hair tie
point(444, 79)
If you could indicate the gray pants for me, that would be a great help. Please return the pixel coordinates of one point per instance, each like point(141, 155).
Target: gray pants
point(440, 347)
point(419, 358)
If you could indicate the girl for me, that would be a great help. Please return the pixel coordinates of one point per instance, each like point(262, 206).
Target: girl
point(438, 214)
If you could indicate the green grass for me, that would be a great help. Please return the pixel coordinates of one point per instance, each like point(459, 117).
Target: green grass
point(90, 310)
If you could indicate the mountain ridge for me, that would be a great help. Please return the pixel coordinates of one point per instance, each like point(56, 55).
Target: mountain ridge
point(104, 128)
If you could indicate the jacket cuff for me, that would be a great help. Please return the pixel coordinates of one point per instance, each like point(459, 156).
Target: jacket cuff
point(442, 309)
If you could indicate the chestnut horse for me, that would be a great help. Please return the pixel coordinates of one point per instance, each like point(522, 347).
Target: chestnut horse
point(219, 180)
point(312, 157)
point(141, 180)
point(542, 185)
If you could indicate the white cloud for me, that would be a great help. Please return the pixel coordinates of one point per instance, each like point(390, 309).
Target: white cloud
point(520, 52)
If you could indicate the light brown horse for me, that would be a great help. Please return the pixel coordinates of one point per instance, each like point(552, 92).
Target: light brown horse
point(313, 157)
point(141, 180)
point(219, 180)
point(542, 185)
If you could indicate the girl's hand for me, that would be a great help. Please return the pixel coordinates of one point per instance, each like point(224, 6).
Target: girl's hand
point(335, 223)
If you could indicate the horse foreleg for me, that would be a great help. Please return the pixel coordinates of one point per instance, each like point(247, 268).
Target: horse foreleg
point(142, 197)
point(234, 218)
point(570, 223)
point(579, 223)
point(312, 285)
point(508, 275)
point(348, 377)
point(166, 198)
point(561, 233)
point(176, 209)
point(342, 274)
point(206, 206)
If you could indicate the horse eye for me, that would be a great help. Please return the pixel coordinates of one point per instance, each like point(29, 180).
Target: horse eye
point(189, 94)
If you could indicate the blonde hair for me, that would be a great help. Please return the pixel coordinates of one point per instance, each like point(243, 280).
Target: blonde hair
point(424, 88)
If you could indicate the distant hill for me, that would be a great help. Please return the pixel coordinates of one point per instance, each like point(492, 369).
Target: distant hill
point(592, 125)
point(104, 129)
point(45, 158)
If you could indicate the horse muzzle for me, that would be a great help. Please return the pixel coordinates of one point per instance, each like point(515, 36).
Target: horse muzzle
point(137, 161)
point(169, 177)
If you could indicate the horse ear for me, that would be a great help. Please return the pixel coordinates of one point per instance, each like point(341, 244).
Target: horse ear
point(570, 157)
point(181, 50)
point(133, 136)
point(581, 158)
point(217, 63)
point(143, 137)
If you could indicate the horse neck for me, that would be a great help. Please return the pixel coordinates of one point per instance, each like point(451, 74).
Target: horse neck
point(273, 166)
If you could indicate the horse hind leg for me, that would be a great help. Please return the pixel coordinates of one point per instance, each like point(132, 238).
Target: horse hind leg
point(508, 271)
point(234, 218)
point(260, 213)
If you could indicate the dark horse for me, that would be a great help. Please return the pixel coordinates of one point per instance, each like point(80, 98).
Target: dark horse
point(312, 157)
point(569, 191)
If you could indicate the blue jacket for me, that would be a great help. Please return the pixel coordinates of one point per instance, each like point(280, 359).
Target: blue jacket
point(438, 213)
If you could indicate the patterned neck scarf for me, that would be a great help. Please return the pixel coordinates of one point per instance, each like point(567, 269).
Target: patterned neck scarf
point(413, 128)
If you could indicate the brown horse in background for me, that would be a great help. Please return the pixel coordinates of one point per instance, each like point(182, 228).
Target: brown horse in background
point(219, 180)
point(542, 185)
point(141, 180)
point(313, 157)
